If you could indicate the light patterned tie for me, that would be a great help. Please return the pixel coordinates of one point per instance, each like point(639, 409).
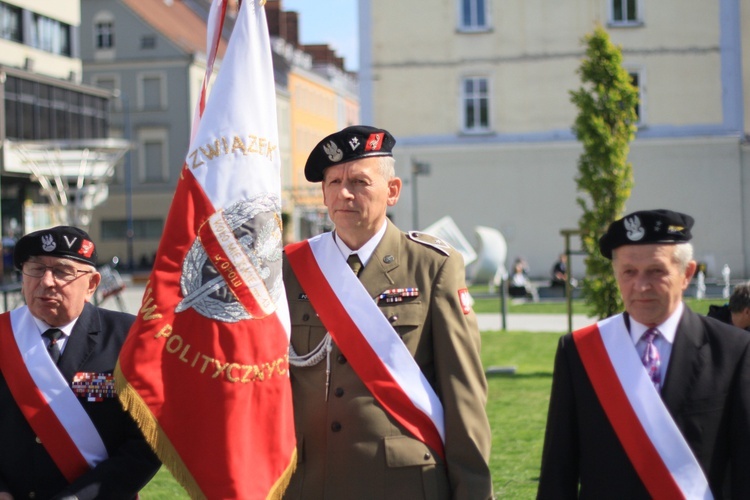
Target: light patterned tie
point(651, 358)
point(354, 263)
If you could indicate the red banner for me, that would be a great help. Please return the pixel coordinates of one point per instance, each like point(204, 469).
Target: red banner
point(205, 368)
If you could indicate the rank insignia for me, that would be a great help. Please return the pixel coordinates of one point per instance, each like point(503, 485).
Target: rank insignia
point(94, 386)
point(398, 294)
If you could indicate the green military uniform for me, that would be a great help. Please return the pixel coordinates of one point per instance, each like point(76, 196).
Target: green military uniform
point(348, 446)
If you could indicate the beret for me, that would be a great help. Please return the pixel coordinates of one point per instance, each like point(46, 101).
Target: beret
point(352, 143)
point(646, 227)
point(61, 241)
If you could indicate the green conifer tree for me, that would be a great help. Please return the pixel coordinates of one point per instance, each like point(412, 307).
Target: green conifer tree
point(605, 125)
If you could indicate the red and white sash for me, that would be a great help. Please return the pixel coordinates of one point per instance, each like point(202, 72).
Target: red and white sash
point(45, 399)
point(644, 426)
point(369, 342)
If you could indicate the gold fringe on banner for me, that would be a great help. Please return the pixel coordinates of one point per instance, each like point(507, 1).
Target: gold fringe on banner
point(278, 489)
point(134, 404)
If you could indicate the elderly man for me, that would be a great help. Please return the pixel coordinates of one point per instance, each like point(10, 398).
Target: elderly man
point(388, 387)
point(653, 402)
point(63, 433)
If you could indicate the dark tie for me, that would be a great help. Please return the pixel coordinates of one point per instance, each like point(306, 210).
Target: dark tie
point(354, 263)
point(53, 334)
point(651, 358)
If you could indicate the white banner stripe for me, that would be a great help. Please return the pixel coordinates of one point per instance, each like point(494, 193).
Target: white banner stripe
point(55, 389)
point(651, 411)
point(377, 330)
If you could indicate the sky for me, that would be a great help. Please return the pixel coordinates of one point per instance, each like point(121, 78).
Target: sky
point(333, 22)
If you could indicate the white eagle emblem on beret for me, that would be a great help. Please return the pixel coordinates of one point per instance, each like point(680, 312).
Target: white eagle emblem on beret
point(48, 243)
point(333, 151)
point(635, 231)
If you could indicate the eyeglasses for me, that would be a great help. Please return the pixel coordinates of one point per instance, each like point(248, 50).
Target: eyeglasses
point(60, 273)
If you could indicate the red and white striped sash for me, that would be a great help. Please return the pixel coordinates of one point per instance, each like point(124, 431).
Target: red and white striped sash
point(369, 342)
point(644, 426)
point(45, 399)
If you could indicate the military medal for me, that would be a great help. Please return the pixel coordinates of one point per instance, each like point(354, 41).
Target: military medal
point(94, 386)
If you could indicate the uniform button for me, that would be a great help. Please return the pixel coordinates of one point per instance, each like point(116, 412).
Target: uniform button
point(32, 494)
point(39, 441)
point(305, 317)
point(338, 392)
point(335, 427)
point(427, 456)
point(341, 359)
point(393, 318)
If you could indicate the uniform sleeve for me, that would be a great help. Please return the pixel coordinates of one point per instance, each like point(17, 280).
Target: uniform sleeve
point(461, 386)
point(559, 474)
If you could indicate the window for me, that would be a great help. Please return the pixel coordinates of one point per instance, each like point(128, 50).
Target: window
point(625, 12)
point(10, 23)
point(50, 35)
point(476, 105)
point(104, 35)
point(148, 42)
point(473, 15)
point(637, 78)
point(152, 152)
point(151, 91)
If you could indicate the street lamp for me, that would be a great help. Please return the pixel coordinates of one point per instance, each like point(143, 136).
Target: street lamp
point(417, 168)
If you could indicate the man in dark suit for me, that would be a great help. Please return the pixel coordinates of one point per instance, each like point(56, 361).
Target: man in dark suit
point(63, 433)
point(359, 432)
point(653, 402)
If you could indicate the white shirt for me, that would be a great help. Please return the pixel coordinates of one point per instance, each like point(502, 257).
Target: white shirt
point(664, 341)
point(366, 251)
point(65, 329)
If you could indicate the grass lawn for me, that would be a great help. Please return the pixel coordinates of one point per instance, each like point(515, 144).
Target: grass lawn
point(517, 409)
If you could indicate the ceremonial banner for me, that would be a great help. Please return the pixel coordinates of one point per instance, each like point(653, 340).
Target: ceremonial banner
point(204, 370)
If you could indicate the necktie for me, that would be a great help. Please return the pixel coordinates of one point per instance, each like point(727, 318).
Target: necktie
point(354, 263)
point(651, 357)
point(53, 334)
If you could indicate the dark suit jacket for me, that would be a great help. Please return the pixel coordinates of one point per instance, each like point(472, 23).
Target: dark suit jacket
point(348, 445)
point(707, 392)
point(25, 466)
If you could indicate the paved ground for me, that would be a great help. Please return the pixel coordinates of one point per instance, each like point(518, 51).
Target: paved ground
point(133, 294)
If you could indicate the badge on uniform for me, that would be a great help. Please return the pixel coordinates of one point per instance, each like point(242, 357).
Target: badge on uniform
point(94, 386)
point(464, 297)
point(398, 294)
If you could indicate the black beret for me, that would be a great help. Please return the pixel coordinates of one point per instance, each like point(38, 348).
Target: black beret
point(352, 143)
point(646, 227)
point(61, 241)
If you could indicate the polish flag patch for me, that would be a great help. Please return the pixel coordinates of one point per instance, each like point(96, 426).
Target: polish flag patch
point(465, 299)
point(374, 142)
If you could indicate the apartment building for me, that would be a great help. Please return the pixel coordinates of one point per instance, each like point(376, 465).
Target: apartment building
point(479, 91)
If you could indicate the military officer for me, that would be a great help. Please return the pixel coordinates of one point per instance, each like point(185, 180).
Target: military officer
point(389, 391)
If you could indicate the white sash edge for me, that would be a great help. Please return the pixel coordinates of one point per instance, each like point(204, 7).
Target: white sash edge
point(376, 329)
point(651, 411)
point(55, 389)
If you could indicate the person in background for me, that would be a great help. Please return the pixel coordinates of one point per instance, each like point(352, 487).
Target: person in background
point(63, 433)
point(653, 402)
point(737, 311)
point(388, 387)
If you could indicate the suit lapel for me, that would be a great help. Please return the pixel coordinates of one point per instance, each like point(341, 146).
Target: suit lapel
point(386, 257)
point(686, 362)
point(81, 344)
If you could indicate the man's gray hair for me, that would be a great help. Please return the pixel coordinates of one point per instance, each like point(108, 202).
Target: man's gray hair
point(740, 298)
point(387, 167)
point(683, 254)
